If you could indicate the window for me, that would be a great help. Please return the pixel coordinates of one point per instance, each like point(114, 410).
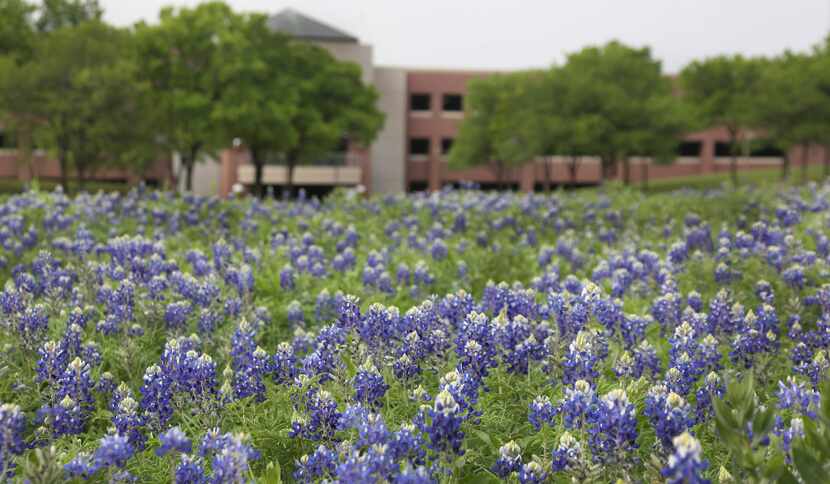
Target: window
point(453, 102)
point(420, 102)
point(419, 146)
point(724, 149)
point(689, 148)
point(766, 150)
point(446, 145)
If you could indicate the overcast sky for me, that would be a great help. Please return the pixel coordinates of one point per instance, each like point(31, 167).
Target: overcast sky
point(490, 34)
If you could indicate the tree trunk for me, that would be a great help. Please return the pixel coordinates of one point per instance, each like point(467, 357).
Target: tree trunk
point(547, 174)
point(258, 169)
point(188, 175)
point(64, 169)
point(733, 162)
point(626, 171)
point(289, 186)
point(572, 167)
point(826, 161)
point(645, 174)
point(805, 155)
point(785, 166)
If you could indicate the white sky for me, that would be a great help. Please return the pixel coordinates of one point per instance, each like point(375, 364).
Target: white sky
point(490, 34)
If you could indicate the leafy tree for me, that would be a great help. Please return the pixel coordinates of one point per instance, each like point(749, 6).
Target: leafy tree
point(498, 128)
point(16, 28)
point(57, 14)
point(182, 57)
point(332, 104)
point(791, 106)
point(723, 90)
point(261, 99)
point(80, 88)
point(618, 89)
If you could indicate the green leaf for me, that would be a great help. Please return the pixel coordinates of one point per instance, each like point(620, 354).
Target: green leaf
point(484, 438)
point(807, 465)
point(273, 473)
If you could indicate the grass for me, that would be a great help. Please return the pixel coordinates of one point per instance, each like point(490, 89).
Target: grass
point(760, 177)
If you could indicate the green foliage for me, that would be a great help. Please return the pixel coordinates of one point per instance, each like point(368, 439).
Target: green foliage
point(182, 57)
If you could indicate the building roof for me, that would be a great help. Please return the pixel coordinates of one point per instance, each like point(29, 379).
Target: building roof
point(295, 24)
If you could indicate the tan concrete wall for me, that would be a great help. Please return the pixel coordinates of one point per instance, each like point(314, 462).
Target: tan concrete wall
point(360, 54)
point(388, 152)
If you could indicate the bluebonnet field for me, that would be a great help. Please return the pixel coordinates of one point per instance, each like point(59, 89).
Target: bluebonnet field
point(463, 336)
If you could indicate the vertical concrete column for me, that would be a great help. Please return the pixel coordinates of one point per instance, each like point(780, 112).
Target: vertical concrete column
point(435, 164)
point(230, 161)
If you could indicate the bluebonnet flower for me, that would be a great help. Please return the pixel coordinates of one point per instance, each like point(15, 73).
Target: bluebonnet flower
point(295, 314)
point(52, 363)
point(369, 385)
point(157, 395)
point(625, 366)
point(190, 471)
point(541, 412)
point(509, 461)
point(532, 473)
point(414, 475)
point(231, 456)
point(712, 388)
point(321, 419)
point(686, 464)
point(407, 444)
point(81, 466)
point(129, 423)
point(444, 429)
point(796, 396)
point(175, 315)
point(646, 359)
point(788, 434)
point(582, 356)
point(576, 404)
point(567, 455)
point(287, 277)
point(612, 427)
point(12, 429)
point(112, 451)
point(284, 364)
point(669, 413)
point(174, 440)
point(319, 465)
point(32, 325)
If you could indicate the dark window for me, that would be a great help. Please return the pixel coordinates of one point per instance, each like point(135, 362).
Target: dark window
point(420, 102)
point(724, 149)
point(419, 146)
point(446, 145)
point(766, 150)
point(453, 102)
point(689, 148)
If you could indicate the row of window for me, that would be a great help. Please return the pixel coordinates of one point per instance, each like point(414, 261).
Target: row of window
point(421, 146)
point(423, 102)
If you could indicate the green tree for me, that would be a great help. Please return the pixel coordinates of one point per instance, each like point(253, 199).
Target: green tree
point(499, 127)
point(723, 90)
point(333, 103)
point(616, 88)
point(261, 99)
point(80, 86)
point(57, 14)
point(791, 107)
point(16, 28)
point(181, 57)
